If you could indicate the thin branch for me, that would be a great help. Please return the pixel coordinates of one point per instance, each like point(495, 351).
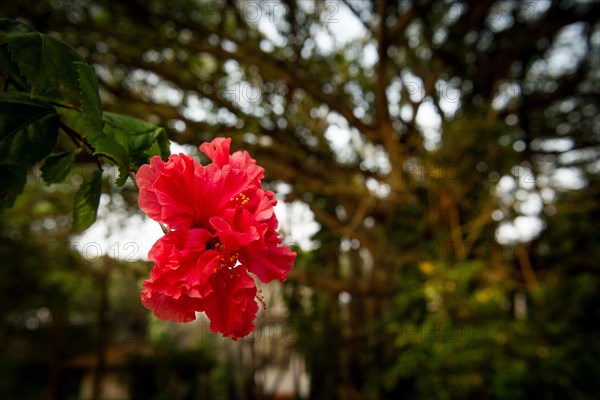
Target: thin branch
point(526, 268)
point(361, 211)
point(76, 137)
point(133, 178)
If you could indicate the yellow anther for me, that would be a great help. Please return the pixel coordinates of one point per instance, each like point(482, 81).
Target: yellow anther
point(241, 199)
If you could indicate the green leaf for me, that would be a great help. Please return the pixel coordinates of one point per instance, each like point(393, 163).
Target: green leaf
point(158, 148)
point(75, 120)
point(12, 26)
point(28, 129)
point(57, 167)
point(103, 144)
point(135, 137)
point(12, 69)
point(46, 63)
point(12, 182)
point(89, 94)
point(163, 145)
point(8, 27)
point(87, 199)
point(139, 135)
point(113, 149)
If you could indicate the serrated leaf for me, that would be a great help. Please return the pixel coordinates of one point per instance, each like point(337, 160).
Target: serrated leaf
point(12, 69)
point(12, 182)
point(57, 167)
point(10, 27)
point(28, 129)
point(137, 135)
point(110, 147)
point(46, 63)
point(103, 144)
point(87, 199)
point(89, 96)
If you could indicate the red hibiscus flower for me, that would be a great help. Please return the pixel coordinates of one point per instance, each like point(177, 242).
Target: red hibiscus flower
point(221, 226)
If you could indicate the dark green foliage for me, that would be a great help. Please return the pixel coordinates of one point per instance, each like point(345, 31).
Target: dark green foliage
point(57, 167)
point(46, 63)
point(130, 141)
point(87, 198)
point(28, 129)
point(48, 87)
point(91, 105)
point(12, 182)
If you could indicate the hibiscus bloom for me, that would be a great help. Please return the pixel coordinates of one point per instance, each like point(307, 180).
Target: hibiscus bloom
point(221, 227)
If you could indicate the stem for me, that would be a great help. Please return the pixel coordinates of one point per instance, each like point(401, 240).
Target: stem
point(76, 137)
point(133, 178)
point(9, 79)
point(79, 139)
point(68, 106)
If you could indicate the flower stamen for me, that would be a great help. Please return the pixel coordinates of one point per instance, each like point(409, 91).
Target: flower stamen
point(261, 299)
point(240, 200)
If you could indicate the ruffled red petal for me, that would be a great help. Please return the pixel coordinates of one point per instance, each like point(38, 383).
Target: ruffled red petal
point(218, 216)
point(173, 290)
point(231, 307)
point(161, 187)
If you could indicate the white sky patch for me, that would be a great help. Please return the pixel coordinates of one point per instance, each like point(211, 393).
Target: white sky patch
point(430, 123)
point(164, 93)
point(554, 144)
point(296, 223)
point(393, 92)
point(532, 206)
point(186, 149)
point(500, 16)
point(343, 24)
point(514, 192)
point(324, 40)
point(195, 109)
point(413, 86)
point(522, 229)
point(568, 179)
point(339, 140)
point(449, 96)
point(568, 51)
point(379, 189)
point(369, 55)
point(507, 92)
point(578, 155)
point(118, 234)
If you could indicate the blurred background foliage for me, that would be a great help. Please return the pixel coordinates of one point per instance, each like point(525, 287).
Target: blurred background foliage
point(447, 150)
